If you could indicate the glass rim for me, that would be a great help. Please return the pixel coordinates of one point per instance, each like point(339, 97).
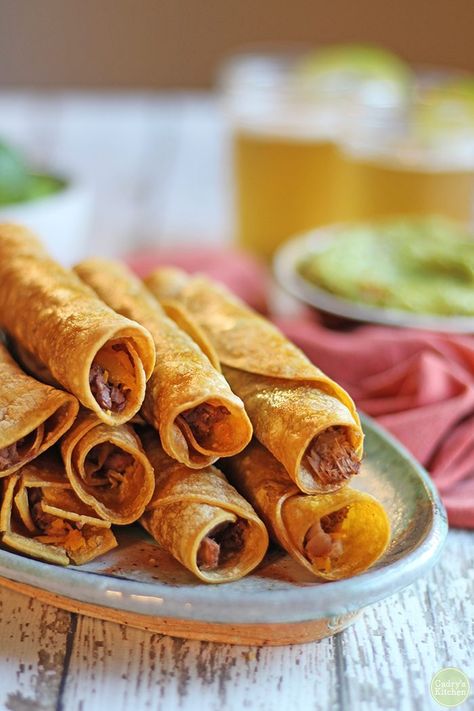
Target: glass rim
point(240, 72)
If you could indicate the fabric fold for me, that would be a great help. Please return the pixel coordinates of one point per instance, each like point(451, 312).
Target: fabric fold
point(433, 422)
point(417, 384)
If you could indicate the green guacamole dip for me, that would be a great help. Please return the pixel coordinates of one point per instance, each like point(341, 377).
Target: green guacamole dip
point(422, 265)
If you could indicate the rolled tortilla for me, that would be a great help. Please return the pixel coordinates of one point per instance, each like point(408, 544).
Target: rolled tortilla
point(334, 535)
point(201, 520)
point(305, 419)
point(187, 399)
point(33, 416)
point(108, 469)
point(41, 516)
point(63, 330)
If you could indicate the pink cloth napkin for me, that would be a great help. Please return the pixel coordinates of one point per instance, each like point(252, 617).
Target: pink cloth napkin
point(241, 273)
point(418, 385)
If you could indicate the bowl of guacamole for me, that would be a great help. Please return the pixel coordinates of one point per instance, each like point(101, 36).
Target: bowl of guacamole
point(402, 271)
point(56, 208)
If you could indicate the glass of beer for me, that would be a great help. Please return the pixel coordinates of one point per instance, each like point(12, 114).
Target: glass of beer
point(288, 116)
point(419, 160)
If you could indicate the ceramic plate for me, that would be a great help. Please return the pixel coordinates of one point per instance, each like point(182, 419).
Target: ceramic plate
point(137, 579)
point(286, 271)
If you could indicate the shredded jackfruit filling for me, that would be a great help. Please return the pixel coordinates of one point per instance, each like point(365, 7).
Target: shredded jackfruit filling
point(108, 466)
point(55, 530)
point(324, 541)
point(218, 547)
point(331, 457)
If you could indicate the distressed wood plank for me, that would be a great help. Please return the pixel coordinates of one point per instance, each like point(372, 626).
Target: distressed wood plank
point(33, 641)
point(154, 671)
point(388, 658)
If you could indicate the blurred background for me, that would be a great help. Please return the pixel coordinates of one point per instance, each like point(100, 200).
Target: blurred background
point(115, 135)
point(134, 128)
point(179, 43)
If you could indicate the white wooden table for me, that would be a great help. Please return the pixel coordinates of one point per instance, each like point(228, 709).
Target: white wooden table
point(157, 168)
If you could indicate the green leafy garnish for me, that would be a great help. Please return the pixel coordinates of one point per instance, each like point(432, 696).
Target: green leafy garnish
point(17, 182)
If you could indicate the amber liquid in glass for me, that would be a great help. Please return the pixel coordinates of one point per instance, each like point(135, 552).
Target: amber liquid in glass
point(284, 185)
point(379, 188)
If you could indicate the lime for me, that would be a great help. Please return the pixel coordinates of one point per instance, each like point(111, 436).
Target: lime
point(447, 108)
point(355, 67)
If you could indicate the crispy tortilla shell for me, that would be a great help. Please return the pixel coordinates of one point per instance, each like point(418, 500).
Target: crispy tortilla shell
point(41, 517)
point(118, 494)
point(288, 416)
point(187, 399)
point(63, 329)
point(289, 514)
point(33, 416)
point(186, 323)
point(188, 505)
point(290, 401)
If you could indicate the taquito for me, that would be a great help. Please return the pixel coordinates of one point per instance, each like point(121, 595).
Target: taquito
point(33, 416)
point(63, 330)
point(333, 535)
point(187, 399)
point(108, 469)
point(41, 516)
point(201, 520)
point(305, 419)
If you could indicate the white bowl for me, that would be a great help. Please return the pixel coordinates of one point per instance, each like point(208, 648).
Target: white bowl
point(61, 220)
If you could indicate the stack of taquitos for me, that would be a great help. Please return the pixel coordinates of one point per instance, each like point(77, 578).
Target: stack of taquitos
point(66, 335)
point(33, 416)
point(41, 516)
point(201, 520)
point(334, 535)
point(307, 421)
point(187, 399)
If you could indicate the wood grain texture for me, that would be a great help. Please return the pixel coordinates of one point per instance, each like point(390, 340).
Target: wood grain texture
point(393, 651)
point(155, 165)
point(173, 674)
point(32, 652)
